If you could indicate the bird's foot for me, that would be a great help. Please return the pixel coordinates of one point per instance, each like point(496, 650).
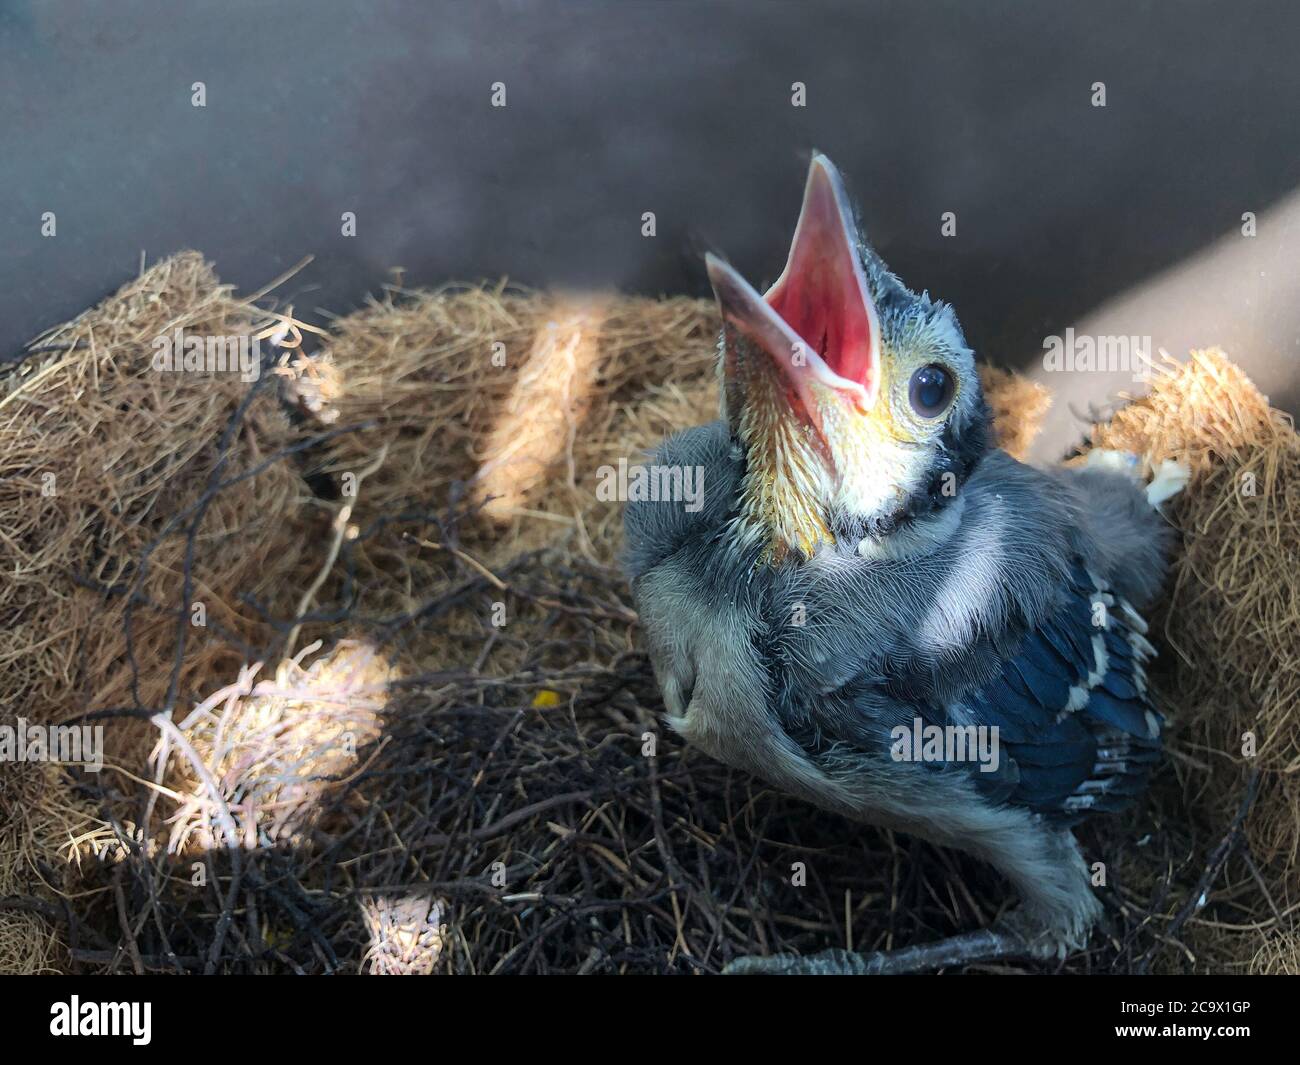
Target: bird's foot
point(1170, 479)
point(1167, 481)
point(1113, 461)
point(1011, 937)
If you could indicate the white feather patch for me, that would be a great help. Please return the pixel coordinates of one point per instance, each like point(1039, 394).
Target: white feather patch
point(1143, 649)
point(1079, 696)
point(1140, 678)
point(1134, 619)
point(1101, 660)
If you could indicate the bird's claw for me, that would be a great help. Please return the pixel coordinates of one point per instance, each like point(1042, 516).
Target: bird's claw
point(1014, 935)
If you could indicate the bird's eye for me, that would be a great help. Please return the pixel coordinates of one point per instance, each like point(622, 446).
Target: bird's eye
point(931, 390)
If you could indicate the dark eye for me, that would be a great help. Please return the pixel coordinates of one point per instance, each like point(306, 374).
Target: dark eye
point(930, 391)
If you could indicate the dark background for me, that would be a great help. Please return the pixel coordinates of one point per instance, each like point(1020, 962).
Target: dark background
point(1123, 219)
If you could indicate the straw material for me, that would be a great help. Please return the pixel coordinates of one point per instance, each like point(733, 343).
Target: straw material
point(417, 732)
point(1233, 612)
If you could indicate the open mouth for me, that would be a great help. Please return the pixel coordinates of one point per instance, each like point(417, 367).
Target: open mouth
point(817, 322)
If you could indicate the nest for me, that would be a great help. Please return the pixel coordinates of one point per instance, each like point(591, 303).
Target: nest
point(415, 731)
point(1232, 616)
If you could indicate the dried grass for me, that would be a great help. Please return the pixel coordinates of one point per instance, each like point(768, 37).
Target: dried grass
point(100, 456)
point(490, 392)
point(105, 467)
point(1232, 615)
point(1018, 405)
point(459, 778)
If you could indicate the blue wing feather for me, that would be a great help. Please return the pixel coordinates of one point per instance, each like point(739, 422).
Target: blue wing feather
point(1075, 724)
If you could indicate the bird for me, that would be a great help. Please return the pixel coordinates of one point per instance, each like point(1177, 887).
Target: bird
point(874, 609)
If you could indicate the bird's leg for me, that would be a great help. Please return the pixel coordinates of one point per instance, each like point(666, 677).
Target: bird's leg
point(1005, 939)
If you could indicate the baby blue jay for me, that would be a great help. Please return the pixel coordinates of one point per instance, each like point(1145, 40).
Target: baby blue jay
point(869, 592)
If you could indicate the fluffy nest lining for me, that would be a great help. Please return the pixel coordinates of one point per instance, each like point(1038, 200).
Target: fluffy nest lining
point(372, 694)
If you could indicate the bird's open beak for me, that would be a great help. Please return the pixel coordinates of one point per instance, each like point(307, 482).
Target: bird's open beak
point(818, 322)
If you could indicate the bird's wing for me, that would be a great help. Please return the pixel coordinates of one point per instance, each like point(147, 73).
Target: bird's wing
point(1076, 728)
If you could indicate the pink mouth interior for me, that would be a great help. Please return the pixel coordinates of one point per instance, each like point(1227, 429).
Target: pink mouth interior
point(820, 294)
